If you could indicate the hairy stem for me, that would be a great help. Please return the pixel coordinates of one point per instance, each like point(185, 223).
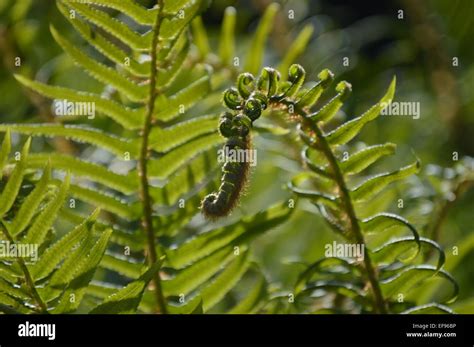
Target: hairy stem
point(29, 280)
point(379, 302)
point(143, 160)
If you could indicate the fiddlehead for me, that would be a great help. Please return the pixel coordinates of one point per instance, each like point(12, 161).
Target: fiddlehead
point(338, 198)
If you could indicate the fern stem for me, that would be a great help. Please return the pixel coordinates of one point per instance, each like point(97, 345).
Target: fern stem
point(29, 280)
point(142, 164)
point(355, 227)
point(379, 302)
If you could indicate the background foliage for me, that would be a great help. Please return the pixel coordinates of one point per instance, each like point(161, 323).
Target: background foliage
point(418, 50)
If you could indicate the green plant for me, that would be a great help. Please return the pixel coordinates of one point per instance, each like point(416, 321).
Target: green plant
point(331, 173)
point(62, 271)
point(155, 74)
point(147, 100)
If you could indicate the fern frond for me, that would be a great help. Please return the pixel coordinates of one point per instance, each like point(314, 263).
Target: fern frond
point(127, 299)
point(359, 161)
point(165, 139)
point(375, 184)
point(393, 250)
point(105, 201)
point(122, 265)
point(409, 277)
point(200, 37)
point(170, 162)
point(254, 298)
point(31, 203)
point(332, 176)
point(226, 280)
point(350, 129)
point(10, 192)
point(111, 143)
point(101, 72)
point(94, 172)
point(130, 8)
point(186, 180)
point(239, 232)
point(31, 225)
point(60, 250)
point(182, 155)
point(198, 273)
point(178, 18)
point(78, 286)
point(173, 65)
point(5, 151)
point(127, 117)
point(104, 46)
point(111, 25)
point(36, 234)
point(176, 104)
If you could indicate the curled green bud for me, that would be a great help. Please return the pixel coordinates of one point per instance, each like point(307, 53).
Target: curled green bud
point(283, 88)
point(232, 99)
point(225, 127)
point(296, 76)
point(253, 109)
point(262, 98)
point(344, 89)
point(245, 84)
point(312, 95)
point(295, 73)
point(226, 115)
point(326, 77)
point(242, 119)
point(268, 81)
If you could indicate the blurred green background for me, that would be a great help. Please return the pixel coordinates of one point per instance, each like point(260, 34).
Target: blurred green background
point(419, 49)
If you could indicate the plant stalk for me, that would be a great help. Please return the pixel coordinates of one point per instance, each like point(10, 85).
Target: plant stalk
point(379, 302)
point(142, 165)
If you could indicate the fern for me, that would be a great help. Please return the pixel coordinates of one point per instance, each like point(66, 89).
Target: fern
point(151, 104)
point(162, 88)
point(383, 267)
point(37, 270)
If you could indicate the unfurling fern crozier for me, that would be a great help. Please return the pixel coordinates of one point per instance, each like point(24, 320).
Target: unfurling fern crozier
point(236, 128)
point(247, 102)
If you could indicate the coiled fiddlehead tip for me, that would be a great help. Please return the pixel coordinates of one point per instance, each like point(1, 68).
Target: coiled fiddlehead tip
point(245, 84)
point(296, 76)
point(261, 98)
point(225, 124)
point(326, 77)
point(242, 124)
point(268, 80)
point(232, 99)
point(295, 73)
point(345, 89)
point(253, 109)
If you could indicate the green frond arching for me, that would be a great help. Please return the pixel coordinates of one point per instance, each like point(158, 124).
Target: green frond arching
point(390, 268)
